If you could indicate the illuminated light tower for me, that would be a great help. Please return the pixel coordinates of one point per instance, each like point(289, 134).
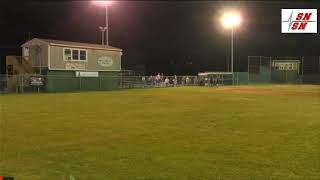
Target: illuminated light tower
point(231, 20)
point(106, 28)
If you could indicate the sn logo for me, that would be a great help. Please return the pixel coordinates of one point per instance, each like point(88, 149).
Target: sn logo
point(304, 18)
point(299, 20)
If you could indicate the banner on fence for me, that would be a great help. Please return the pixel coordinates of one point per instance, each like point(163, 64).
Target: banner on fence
point(87, 74)
point(36, 80)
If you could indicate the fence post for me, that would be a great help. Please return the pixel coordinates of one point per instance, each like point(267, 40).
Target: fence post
point(120, 82)
point(7, 80)
point(270, 68)
point(286, 71)
point(99, 82)
point(21, 85)
point(260, 65)
point(237, 78)
point(16, 82)
point(232, 78)
point(79, 83)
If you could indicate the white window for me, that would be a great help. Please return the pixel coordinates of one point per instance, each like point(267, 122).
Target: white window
point(67, 54)
point(75, 54)
point(83, 55)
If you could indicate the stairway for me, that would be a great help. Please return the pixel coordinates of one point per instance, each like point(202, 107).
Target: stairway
point(19, 65)
point(19, 70)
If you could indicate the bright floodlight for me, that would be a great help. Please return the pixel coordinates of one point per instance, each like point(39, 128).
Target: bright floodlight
point(105, 2)
point(231, 20)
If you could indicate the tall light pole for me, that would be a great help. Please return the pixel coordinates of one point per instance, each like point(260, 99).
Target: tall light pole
point(230, 21)
point(104, 3)
point(102, 29)
point(232, 49)
point(107, 25)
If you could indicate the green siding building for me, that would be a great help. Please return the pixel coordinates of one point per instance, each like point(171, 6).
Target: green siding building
point(72, 66)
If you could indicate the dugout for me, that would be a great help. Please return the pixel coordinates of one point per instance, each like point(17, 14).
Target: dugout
point(224, 78)
point(73, 66)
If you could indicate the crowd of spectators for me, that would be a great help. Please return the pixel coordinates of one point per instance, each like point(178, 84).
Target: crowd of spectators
point(166, 81)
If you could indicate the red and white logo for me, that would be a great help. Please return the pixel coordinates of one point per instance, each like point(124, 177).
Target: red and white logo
point(299, 20)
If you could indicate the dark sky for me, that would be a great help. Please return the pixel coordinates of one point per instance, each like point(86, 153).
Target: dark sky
point(182, 37)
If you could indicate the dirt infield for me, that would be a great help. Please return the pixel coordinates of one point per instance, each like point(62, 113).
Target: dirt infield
point(268, 91)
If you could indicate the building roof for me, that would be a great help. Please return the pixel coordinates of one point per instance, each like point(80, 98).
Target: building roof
point(74, 44)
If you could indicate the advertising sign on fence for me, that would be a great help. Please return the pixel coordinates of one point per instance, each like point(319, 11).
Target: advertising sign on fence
point(36, 80)
point(87, 74)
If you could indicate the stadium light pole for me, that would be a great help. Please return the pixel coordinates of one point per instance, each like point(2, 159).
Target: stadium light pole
point(102, 29)
point(104, 3)
point(231, 20)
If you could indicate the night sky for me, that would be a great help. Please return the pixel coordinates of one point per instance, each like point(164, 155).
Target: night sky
point(182, 37)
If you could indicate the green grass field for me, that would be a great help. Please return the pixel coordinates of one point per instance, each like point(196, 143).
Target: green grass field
point(187, 133)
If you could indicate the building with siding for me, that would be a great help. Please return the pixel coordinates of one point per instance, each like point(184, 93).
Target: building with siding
point(70, 66)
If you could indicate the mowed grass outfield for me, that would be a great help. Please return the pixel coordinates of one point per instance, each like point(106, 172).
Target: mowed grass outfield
point(187, 133)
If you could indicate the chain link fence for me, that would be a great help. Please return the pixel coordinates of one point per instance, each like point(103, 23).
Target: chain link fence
point(287, 70)
point(261, 70)
point(34, 83)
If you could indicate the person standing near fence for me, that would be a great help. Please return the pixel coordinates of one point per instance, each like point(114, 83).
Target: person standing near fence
point(195, 80)
point(150, 80)
point(217, 81)
point(205, 81)
point(214, 80)
point(187, 80)
point(211, 81)
point(166, 81)
point(175, 81)
point(143, 81)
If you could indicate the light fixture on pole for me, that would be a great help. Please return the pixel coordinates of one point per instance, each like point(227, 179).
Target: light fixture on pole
point(230, 21)
point(106, 27)
point(102, 29)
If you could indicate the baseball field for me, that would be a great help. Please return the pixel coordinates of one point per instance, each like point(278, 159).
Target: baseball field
point(185, 133)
